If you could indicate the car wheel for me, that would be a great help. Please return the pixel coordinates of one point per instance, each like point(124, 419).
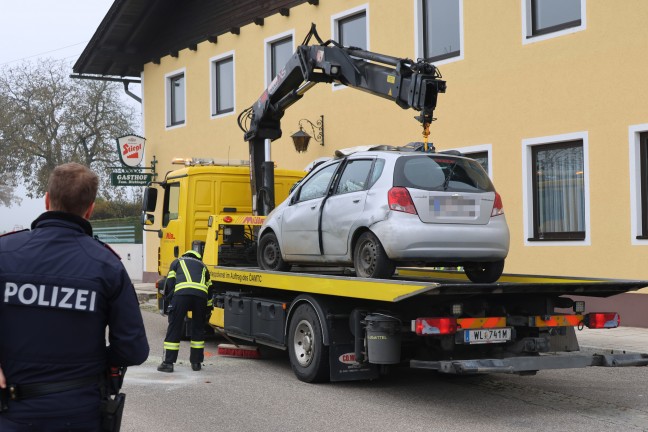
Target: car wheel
point(269, 254)
point(306, 349)
point(486, 272)
point(370, 259)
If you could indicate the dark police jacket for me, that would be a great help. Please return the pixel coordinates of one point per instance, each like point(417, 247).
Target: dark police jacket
point(59, 289)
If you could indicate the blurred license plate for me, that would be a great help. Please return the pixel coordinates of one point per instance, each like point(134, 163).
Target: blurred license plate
point(453, 206)
point(482, 336)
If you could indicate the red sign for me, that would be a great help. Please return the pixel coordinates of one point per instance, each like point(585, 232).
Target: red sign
point(131, 150)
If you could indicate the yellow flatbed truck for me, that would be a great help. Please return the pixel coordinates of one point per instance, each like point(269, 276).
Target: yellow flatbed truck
point(339, 327)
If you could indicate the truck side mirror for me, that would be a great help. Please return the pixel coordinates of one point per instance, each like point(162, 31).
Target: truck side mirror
point(147, 219)
point(150, 200)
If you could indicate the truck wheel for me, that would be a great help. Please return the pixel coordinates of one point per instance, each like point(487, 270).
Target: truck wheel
point(307, 352)
point(486, 272)
point(269, 254)
point(370, 259)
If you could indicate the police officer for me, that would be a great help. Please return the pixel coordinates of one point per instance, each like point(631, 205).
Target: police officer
point(187, 289)
point(59, 290)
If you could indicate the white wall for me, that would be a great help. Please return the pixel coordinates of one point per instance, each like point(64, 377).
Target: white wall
point(131, 256)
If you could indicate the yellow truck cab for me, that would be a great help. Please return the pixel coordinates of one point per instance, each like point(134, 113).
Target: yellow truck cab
point(179, 209)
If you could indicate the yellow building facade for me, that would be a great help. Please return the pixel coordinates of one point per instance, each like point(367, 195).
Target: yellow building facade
point(518, 93)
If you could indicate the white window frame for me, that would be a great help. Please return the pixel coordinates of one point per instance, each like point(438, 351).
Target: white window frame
point(213, 99)
point(527, 187)
point(335, 30)
point(527, 26)
point(418, 34)
point(634, 142)
point(267, 43)
point(167, 98)
point(481, 148)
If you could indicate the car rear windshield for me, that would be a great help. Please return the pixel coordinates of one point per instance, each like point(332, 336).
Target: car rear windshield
point(441, 173)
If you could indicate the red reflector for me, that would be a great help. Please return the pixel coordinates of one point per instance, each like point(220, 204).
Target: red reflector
point(597, 320)
point(498, 206)
point(435, 326)
point(399, 199)
point(227, 219)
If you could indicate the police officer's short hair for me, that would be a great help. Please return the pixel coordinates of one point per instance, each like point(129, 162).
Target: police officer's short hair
point(72, 188)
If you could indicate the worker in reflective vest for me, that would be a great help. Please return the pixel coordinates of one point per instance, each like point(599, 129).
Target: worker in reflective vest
point(187, 289)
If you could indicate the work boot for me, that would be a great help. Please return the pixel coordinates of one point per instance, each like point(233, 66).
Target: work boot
point(165, 367)
point(196, 366)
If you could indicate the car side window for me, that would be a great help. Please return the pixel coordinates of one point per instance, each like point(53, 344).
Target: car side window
point(318, 184)
point(355, 176)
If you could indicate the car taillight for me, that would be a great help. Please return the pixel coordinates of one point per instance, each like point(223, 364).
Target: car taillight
point(598, 320)
point(498, 207)
point(399, 199)
point(435, 326)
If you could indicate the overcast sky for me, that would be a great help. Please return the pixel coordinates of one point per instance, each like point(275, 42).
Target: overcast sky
point(44, 28)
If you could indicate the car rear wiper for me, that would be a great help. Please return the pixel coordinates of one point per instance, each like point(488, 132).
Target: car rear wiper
point(446, 182)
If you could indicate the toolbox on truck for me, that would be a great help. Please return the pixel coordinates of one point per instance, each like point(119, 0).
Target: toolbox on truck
point(237, 314)
point(268, 320)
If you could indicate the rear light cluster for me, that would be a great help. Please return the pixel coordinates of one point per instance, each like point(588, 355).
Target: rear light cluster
point(399, 199)
point(448, 325)
point(498, 207)
point(435, 326)
point(598, 320)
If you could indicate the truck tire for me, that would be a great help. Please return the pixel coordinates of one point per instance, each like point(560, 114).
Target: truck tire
point(370, 259)
point(308, 354)
point(269, 254)
point(487, 272)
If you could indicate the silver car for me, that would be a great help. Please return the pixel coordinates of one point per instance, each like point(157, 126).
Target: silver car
point(377, 209)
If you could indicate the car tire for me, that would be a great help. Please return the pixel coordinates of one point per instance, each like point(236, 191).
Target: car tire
point(309, 356)
point(269, 254)
point(370, 259)
point(486, 272)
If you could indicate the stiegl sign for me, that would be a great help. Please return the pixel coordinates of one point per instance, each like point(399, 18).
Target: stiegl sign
point(131, 150)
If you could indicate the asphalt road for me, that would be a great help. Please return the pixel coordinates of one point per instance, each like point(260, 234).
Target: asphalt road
point(233, 394)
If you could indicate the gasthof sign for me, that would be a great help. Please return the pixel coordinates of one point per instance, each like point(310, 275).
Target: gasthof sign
point(130, 179)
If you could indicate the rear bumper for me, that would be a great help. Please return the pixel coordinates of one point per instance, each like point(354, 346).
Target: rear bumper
point(531, 364)
point(405, 237)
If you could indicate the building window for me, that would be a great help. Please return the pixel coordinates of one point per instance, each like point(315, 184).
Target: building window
point(643, 162)
point(350, 29)
point(639, 184)
point(176, 101)
point(481, 157)
point(440, 35)
point(482, 153)
point(558, 191)
point(552, 17)
point(279, 49)
point(223, 84)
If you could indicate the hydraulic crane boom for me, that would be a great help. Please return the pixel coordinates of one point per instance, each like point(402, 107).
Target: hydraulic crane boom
point(408, 83)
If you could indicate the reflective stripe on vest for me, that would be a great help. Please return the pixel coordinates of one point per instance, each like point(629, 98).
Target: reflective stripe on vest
point(190, 283)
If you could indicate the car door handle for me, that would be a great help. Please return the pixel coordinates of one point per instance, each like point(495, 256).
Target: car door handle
point(356, 201)
point(313, 207)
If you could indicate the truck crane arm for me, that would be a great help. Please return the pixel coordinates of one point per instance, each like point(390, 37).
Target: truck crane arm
point(410, 84)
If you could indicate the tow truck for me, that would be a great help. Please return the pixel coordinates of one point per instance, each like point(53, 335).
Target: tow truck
point(339, 327)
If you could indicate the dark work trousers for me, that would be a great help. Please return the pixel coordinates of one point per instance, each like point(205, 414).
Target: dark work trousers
point(180, 305)
point(87, 423)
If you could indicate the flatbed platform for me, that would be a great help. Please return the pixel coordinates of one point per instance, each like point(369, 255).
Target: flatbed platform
point(410, 282)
